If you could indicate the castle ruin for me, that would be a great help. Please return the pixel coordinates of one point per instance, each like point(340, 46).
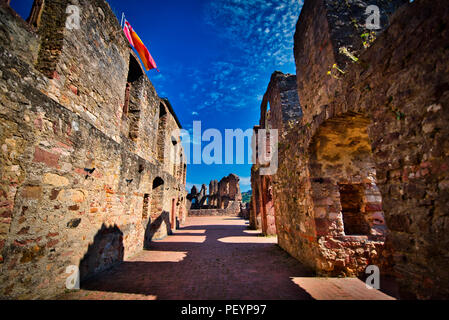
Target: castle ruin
point(90, 170)
point(224, 198)
point(363, 177)
point(91, 173)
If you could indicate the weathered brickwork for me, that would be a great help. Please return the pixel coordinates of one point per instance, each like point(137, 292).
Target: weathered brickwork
point(25, 43)
point(327, 34)
point(280, 110)
point(224, 199)
point(373, 141)
point(81, 183)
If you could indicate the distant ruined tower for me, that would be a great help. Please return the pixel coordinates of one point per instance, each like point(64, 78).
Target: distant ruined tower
point(224, 198)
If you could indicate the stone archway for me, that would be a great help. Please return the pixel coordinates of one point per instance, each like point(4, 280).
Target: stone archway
point(347, 203)
point(159, 222)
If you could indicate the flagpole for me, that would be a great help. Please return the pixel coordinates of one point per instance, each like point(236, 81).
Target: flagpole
point(123, 18)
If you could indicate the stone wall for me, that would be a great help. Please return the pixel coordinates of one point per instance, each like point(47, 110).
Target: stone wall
point(229, 191)
point(396, 96)
point(16, 34)
point(95, 91)
point(280, 110)
point(328, 33)
point(234, 209)
point(224, 198)
point(78, 187)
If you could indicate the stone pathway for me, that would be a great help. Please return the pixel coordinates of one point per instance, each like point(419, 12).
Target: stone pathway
point(217, 258)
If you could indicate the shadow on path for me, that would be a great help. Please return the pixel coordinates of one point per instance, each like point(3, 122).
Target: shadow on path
point(211, 258)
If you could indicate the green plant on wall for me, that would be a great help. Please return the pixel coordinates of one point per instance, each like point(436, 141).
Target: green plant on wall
point(368, 38)
point(331, 72)
point(347, 53)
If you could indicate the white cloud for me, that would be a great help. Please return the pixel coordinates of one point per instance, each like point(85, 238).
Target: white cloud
point(263, 31)
point(245, 181)
point(259, 40)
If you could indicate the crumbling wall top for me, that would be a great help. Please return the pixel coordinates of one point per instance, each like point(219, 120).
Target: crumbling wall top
point(329, 38)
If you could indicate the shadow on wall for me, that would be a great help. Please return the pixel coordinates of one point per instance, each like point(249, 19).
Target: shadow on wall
point(158, 229)
point(106, 251)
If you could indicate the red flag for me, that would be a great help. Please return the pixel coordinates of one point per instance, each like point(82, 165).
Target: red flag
point(128, 34)
point(143, 52)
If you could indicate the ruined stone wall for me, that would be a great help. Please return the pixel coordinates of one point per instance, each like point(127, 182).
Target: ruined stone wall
point(255, 221)
point(139, 126)
point(213, 194)
point(77, 190)
point(285, 112)
point(18, 35)
point(93, 90)
point(400, 86)
point(224, 198)
point(229, 191)
point(245, 209)
point(233, 209)
point(172, 143)
point(282, 97)
point(327, 34)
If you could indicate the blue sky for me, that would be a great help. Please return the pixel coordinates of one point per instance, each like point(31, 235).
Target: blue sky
point(216, 58)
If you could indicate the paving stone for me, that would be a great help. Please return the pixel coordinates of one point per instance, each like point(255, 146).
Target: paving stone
point(217, 258)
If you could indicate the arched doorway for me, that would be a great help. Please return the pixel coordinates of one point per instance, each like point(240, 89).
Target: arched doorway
point(347, 203)
point(157, 197)
point(159, 222)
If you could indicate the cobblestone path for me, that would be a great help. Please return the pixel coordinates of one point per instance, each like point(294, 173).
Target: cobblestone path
point(217, 258)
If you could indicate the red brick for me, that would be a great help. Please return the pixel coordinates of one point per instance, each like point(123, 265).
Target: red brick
point(52, 235)
point(52, 243)
point(6, 214)
point(38, 123)
point(373, 207)
point(73, 89)
point(62, 145)
point(54, 194)
point(48, 158)
point(55, 75)
point(322, 227)
point(80, 171)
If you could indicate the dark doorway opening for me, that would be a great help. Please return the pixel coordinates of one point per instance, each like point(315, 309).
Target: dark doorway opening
point(352, 204)
point(161, 132)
